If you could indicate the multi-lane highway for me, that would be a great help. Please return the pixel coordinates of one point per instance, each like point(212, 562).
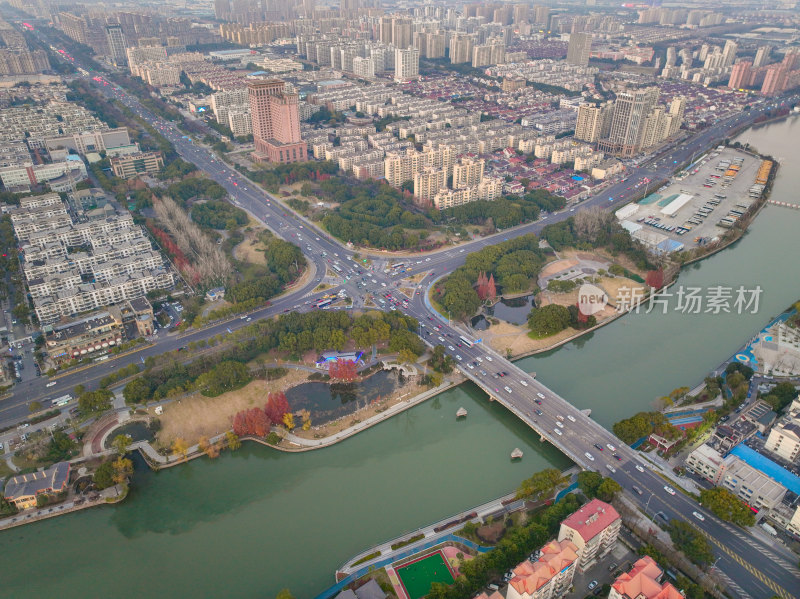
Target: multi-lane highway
point(768, 570)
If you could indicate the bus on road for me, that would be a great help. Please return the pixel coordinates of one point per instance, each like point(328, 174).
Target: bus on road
point(63, 400)
point(466, 341)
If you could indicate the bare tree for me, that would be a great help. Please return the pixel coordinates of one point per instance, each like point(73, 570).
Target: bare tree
point(208, 260)
point(591, 222)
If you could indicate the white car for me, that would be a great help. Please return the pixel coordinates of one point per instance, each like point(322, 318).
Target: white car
point(571, 418)
point(611, 447)
point(639, 468)
point(489, 358)
point(459, 358)
point(441, 339)
point(699, 516)
point(451, 348)
point(470, 366)
point(523, 383)
point(557, 431)
point(508, 389)
point(560, 424)
point(541, 395)
point(669, 489)
point(479, 359)
point(611, 468)
point(51, 384)
point(589, 456)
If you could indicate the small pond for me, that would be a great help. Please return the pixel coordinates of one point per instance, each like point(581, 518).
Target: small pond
point(138, 431)
point(329, 401)
point(515, 310)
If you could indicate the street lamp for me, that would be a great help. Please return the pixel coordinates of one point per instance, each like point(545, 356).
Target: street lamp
point(647, 504)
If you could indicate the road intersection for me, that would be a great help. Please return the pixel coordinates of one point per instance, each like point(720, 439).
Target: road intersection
point(752, 566)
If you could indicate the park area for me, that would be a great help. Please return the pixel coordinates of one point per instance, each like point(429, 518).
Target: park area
point(416, 576)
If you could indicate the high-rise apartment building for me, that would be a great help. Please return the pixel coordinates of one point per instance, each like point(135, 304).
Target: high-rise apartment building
point(631, 110)
point(429, 182)
point(461, 48)
point(402, 32)
point(116, 45)
point(591, 118)
point(580, 46)
point(406, 64)
point(593, 529)
point(774, 79)
point(467, 172)
point(741, 75)
point(729, 53)
point(762, 56)
point(275, 121)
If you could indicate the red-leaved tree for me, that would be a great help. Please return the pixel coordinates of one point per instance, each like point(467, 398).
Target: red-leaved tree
point(277, 405)
point(251, 422)
point(655, 278)
point(491, 289)
point(343, 370)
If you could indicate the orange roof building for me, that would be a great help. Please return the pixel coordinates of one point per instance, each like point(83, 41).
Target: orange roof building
point(548, 577)
point(593, 529)
point(642, 582)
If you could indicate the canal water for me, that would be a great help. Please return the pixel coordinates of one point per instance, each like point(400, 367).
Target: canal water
point(250, 523)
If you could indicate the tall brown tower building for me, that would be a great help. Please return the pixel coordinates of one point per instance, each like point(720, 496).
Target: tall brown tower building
point(276, 122)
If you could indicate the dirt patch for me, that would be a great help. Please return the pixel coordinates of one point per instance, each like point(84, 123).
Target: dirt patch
point(505, 337)
point(491, 533)
point(197, 416)
point(557, 266)
point(250, 250)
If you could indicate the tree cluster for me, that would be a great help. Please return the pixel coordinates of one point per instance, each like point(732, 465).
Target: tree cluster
point(257, 421)
point(515, 264)
point(591, 229)
point(542, 485)
point(60, 449)
point(90, 402)
point(216, 214)
point(225, 376)
point(644, 424)
point(596, 485)
point(504, 212)
point(284, 262)
point(727, 506)
point(553, 318)
point(286, 174)
point(440, 361)
point(199, 188)
point(689, 540)
point(781, 396)
point(371, 214)
point(292, 332)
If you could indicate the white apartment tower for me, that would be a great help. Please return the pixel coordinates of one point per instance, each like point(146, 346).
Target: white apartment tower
point(406, 64)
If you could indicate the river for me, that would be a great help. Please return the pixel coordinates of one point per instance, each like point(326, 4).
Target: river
point(250, 523)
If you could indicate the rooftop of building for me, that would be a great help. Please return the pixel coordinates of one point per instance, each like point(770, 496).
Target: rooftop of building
point(592, 519)
point(765, 465)
point(25, 485)
point(642, 582)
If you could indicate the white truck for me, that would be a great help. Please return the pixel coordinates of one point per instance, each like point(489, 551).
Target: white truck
point(769, 529)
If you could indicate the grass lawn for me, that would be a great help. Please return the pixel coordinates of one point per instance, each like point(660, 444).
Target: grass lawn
point(418, 575)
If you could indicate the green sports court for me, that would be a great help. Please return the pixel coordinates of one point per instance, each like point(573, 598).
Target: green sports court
point(416, 576)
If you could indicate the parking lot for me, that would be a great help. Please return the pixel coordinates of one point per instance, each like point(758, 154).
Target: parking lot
point(619, 559)
point(698, 207)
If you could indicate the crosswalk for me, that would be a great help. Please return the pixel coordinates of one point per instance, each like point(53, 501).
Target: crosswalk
point(762, 550)
point(774, 586)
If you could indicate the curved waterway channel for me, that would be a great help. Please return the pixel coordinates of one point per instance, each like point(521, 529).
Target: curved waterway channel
point(250, 523)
